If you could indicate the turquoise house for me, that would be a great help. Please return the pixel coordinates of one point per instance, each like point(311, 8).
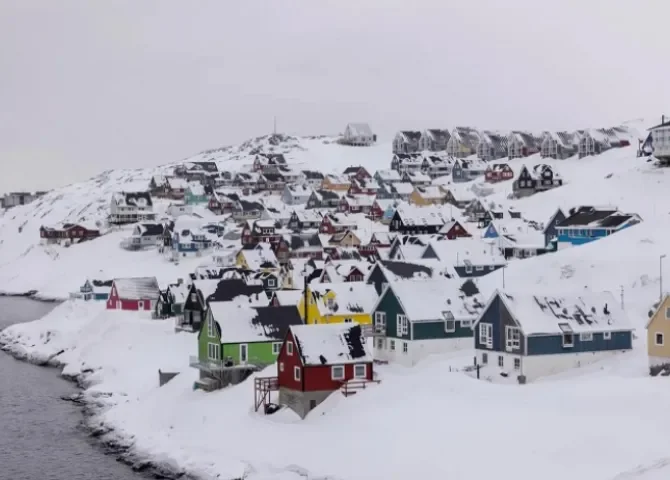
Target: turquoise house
point(195, 194)
point(95, 290)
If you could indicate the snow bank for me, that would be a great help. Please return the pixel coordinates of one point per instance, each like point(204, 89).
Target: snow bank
point(590, 423)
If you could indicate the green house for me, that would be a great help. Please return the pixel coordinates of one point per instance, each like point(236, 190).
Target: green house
point(420, 317)
point(195, 194)
point(237, 339)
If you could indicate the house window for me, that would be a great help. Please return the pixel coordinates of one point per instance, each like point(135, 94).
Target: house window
point(392, 345)
point(450, 325)
point(607, 335)
point(468, 269)
point(281, 366)
point(513, 338)
point(568, 340)
point(479, 269)
point(271, 282)
point(517, 363)
point(380, 320)
point(402, 325)
point(289, 348)
point(276, 348)
point(485, 358)
point(380, 343)
point(659, 339)
point(210, 327)
point(296, 374)
point(360, 371)
point(501, 361)
point(213, 351)
point(337, 372)
point(586, 337)
point(404, 347)
point(466, 323)
point(667, 313)
point(348, 320)
point(486, 334)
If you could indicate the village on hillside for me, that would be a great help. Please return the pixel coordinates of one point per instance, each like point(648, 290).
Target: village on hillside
point(321, 276)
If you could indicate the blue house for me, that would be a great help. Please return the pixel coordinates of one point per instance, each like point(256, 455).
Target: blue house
point(550, 232)
point(522, 336)
point(586, 224)
point(95, 289)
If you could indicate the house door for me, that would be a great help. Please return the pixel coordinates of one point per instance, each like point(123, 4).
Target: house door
point(140, 305)
point(312, 404)
point(244, 354)
point(118, 304)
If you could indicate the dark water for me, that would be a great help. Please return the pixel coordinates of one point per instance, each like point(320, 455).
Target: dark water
point(40, 434)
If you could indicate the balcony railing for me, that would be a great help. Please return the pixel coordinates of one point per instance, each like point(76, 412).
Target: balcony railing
point(210, 365)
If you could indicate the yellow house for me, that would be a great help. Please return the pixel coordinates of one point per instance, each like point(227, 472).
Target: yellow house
point(658, 338)
point(335, 183)
point(345, 239)
point(339, 303)
point(260, 258)
point(428, 195)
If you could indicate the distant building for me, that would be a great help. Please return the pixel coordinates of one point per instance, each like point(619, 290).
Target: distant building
point(358, 135)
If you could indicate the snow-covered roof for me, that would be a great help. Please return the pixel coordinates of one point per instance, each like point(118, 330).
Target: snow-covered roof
point(308, 216)
point(350, 298)
point(260, 257)
point(428, 215)
point(337, 179)
point(242, 323)
point(417, 176)
point(196, 189)
point(331, 344)
point(177, 183)
point(388, 175)
point(468, 251)
point(430, 192)
point(137, 288)
point(288, 297)
point(553, 315)
point(133, 199)
point(359, 130)
point(359, 200)
point(341, 269)
point(428, 299)
point(403, 188)
point(299, 190)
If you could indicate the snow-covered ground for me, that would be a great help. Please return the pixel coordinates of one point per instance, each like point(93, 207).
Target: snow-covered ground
point(428, 422)
point(603, 422)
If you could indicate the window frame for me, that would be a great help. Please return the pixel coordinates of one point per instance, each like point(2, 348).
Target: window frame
point(332, 372)
point(501, 361)
point(607, 335)
point(297, 373)
point(289, 348)
point(365, 371)
point(512, 343)
point(453, 325)
point(656, 336)
point(276, 346)
point(486, 334)
point(564, 337)
point(214, 347)
point(586, 337)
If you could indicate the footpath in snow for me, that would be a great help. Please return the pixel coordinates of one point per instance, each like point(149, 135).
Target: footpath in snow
point(604, 422)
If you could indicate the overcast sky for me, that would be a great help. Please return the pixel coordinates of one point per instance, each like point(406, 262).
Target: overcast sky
point(91, 85)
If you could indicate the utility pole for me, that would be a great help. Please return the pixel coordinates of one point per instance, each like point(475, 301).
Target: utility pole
point(660, 269)
point(274, 127)
point(503, 272)
point(622, 297)
point(305, 294)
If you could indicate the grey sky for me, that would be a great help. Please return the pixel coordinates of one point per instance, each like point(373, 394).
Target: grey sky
point(91, 85)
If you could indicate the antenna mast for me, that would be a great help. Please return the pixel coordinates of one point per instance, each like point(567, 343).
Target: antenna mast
point(274, 128)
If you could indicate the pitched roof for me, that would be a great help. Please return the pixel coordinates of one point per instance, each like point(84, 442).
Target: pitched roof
point(468, 252)
point(350, 298)
point(468, 136)
point(132, 199)
point(359, 129)
point(137, 288)
point(539, 314)
point(396, 270)
point(241, 323)
point(150, 229)
point(330, 344)
point(427, 299)
point(411, 135)
point(595, 217)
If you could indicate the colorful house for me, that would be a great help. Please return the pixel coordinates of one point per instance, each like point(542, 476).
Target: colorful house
point(95, 289)
point(316, 360)
point(136, 293)
point(419, 318)
point(658, 328)
point(258, 257)
point(195, 194)
point(586, 224)
point(522, 336)
point(237, 339)
point(345, 302)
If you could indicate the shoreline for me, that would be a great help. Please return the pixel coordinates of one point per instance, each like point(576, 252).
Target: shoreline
point(102, 435)
point(32, 295)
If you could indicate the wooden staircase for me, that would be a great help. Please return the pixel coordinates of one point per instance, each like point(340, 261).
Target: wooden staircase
point(263, 386)
point(353, 386)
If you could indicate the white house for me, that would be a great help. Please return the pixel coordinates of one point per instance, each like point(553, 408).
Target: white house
point(296, 194)
point(145, 235)
point(358, 135)
point(660, 137)
point(131, 207)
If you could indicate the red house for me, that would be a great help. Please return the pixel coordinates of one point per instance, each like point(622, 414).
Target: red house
point(316, 360)
point(453, 230)
point(136, 293)
point(68, 232)
point(336, 223)
point(498, 172)
point(359, 173)
point(363, 187)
